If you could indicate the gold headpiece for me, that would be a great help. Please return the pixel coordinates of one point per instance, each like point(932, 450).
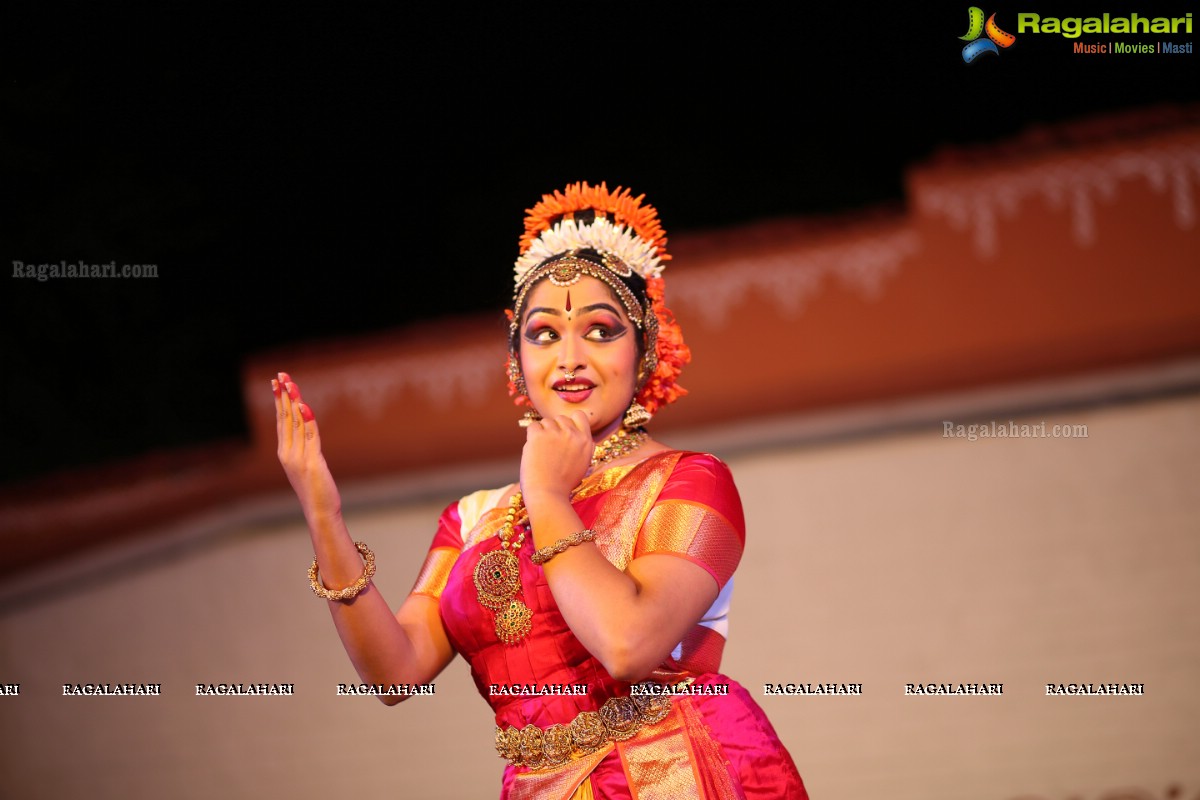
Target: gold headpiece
point(610, 236)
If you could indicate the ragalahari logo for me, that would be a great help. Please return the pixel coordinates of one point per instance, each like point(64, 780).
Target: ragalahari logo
point(975, 28)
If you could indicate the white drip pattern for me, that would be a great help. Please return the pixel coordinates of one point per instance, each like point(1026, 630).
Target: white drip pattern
point(467, 377)
point(790, 280)
point(1076, 183)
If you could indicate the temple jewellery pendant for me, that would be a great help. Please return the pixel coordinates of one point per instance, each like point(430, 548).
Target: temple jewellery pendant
point(497, 581)
point(498, 573)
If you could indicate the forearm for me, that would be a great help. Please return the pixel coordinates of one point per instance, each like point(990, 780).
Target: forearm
point(408, 647)
point(601, 604)
point(378, 645)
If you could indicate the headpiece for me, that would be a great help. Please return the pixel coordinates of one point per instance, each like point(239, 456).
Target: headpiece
point(613, 237)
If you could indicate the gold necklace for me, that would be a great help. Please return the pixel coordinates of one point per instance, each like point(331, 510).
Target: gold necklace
point(498, 573)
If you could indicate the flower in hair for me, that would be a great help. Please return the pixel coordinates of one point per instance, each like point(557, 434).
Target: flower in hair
point(600, 235)
point(620, 205)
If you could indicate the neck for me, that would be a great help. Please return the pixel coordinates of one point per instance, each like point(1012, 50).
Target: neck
point(607, 431)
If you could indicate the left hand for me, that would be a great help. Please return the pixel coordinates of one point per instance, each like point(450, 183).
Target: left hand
point(557, 455)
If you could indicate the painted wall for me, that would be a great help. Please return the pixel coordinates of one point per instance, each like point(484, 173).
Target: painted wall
point(883, 559)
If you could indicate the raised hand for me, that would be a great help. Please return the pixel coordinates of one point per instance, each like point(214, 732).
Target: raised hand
point(557, 454)
point(300, 454)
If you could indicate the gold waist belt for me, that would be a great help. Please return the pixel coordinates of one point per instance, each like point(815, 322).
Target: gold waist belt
point(618, 719)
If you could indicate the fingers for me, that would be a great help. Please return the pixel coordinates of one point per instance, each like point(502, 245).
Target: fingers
point(296, 420)
point(311, 435)
point(287, 420)
point(277, 390)
point(295, 423)
point(582, 423)
point(283, 413)
point(575, 424)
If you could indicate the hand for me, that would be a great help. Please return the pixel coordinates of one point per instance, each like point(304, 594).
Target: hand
point(300, 453)
point(556, 456)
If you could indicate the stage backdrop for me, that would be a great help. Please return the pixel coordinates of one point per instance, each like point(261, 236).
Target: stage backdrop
point(967, 437)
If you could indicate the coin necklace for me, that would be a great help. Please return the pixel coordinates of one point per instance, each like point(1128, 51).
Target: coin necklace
point(498, 573)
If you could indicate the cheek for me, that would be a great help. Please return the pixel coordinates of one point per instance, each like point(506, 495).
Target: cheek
point(630, 363)
point(529, 357)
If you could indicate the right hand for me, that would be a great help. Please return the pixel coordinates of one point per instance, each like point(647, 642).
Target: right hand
point(556, 456)
point(300, 453)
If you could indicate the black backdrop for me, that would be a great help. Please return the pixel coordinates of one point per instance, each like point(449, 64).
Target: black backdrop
point(302, 174)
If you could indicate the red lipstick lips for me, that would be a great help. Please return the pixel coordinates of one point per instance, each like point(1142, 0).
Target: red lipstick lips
point(575, 390)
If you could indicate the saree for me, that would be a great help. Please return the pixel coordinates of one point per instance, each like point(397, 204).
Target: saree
point(709, 741)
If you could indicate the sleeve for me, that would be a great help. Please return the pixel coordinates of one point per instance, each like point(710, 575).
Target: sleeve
point(443, 552)
point(698, 516)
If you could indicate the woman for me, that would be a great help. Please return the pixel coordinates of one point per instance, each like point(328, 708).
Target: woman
point(590, 600)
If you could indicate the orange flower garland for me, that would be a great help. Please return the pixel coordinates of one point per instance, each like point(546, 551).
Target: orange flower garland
point(673, 353)
point(625, 209)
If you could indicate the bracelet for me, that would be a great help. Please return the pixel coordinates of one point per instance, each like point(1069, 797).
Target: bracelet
point(351, 591)
point(547, 553)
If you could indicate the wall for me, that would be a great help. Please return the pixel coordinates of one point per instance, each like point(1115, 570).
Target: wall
point(881, 558)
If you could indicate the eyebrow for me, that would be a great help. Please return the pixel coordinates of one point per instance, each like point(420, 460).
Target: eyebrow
point(555, 312)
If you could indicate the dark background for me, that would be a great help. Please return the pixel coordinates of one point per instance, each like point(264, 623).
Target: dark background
point(303, 175)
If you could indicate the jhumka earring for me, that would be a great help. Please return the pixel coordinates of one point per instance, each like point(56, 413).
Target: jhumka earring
point(636, 416)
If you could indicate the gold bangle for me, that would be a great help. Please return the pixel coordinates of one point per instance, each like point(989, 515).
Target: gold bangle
point(547, 553)
point(351, 591)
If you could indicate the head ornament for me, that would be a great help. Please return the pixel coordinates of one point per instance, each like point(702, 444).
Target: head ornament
point(615, 238)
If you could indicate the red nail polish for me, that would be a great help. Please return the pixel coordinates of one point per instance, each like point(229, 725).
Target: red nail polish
point(292, 391)
point(306, 413)
point(284, 377)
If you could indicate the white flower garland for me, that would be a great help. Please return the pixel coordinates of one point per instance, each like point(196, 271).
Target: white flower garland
point(600, 235)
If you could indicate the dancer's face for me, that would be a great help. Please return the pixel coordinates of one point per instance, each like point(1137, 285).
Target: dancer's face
point(580, 330)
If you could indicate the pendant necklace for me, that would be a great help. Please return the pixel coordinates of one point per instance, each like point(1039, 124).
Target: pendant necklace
point(498, 573)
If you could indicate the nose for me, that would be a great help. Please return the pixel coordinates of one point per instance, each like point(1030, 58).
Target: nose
point(571, 360)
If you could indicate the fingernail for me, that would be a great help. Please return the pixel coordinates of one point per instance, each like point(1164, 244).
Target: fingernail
point(284, 377)
point(275, 386)
point(306, 412)
point(292, 391)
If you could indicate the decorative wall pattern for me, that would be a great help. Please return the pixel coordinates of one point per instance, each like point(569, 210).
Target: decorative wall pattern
point(1077, 183)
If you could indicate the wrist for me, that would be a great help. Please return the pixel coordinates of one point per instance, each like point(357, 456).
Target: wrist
point(542, 499)
point(324, 520)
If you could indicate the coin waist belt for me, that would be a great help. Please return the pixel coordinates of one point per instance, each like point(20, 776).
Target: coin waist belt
point(618, 719)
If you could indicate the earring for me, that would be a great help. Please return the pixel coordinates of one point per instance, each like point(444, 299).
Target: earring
point(636, 416)
point(531, 416)
point(515, 377)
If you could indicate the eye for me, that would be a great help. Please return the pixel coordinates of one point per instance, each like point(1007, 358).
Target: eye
point(604, 333)
point(541, 335)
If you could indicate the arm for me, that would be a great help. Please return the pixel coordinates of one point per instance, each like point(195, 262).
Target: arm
point(629, 620)
point(409, 646)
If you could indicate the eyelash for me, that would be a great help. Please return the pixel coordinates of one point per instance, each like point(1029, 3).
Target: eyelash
point(610, 332)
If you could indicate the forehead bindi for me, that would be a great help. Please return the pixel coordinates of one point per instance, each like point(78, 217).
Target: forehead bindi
point(580, 296)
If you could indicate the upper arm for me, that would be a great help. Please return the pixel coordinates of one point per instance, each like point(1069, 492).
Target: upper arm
point(673, 595)
point(697, 518)
point(432, 652)
point(686, 552)
point(420, 614)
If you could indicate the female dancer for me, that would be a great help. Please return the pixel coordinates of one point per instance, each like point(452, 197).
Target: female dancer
point(590, 599)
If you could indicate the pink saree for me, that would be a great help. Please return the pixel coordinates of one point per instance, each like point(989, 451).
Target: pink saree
point(715, 743)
